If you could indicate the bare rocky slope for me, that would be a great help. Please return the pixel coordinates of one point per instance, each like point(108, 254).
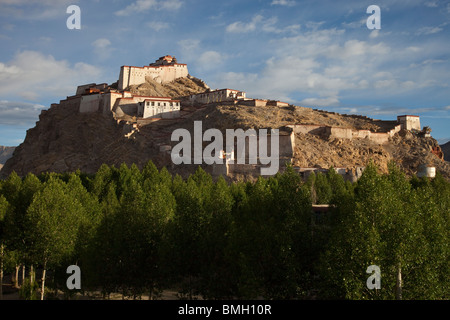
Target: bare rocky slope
point(5, 154)
point(64, 140)
point(446, 150)
point(181, 87)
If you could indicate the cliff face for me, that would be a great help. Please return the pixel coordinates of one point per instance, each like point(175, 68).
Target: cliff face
point(5, 154)
point(65, 140)
point(446, 150)
point(179, 88)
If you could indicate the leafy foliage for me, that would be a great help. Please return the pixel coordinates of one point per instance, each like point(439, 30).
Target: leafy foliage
point(139, 232)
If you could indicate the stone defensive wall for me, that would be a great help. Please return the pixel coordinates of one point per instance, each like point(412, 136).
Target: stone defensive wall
point(345, 133)
point(262, 103)
point(130, 75)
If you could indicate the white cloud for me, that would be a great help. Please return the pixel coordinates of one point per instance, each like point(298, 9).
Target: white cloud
point(320, 102)
point(413, 49)
point(171, 4)
point(428, 30)
point(241, 27)
point(35, 10)
point(382, 84)
point(19, 113)
point(431, 4)
point(158, 25)
point(102, 48)
point(269, 25)
point(374, 34)
point(138, 6)
point(210, 59)
point(408, 84)
point(145, 5)
point(45, 40)
point(32, 74)
point(189, 46)
point(288, 3)
point(29, 95)
point(259, 23)
point(426, 63)
point(383, 74)
point(198, 57)
point(322, 66)
point(101, 43)
point(314, 25)
point(355, 24)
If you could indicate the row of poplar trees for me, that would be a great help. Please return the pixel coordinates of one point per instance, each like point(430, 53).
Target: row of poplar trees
point(138, 232)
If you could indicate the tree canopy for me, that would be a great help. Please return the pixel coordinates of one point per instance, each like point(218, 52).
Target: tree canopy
point(140, 231)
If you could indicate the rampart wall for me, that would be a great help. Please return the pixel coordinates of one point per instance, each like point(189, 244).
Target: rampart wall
point(130, 75)
point(345, 133)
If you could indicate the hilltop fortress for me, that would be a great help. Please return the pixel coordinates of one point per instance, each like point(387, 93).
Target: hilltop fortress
point(132, 120)
point(164, 70)
point(122, 104)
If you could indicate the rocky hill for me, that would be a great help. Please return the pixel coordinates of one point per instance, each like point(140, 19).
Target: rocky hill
point(180, 87)
point(5, 154)
point(66, 140)
point(446, 150)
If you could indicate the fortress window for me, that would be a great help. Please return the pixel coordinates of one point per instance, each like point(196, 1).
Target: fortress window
point(153, 104)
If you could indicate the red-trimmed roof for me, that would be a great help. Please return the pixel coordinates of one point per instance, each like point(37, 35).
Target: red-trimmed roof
point(156, 67)
point(158, 99)
point(151, 97)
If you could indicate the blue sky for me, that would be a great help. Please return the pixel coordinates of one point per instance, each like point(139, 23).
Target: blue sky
point(311, 53)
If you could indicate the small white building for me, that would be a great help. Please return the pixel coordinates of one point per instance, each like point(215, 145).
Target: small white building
point(426, 171)
point(159, 107)
point(409, 122)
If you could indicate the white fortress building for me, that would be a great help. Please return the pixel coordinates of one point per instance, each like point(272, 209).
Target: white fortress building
point(102, 98)
point(165, 69)
point(217, 96)
point(409, 122)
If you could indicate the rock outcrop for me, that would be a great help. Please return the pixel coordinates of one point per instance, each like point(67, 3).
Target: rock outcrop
point(64, 140)
point(5, 154)
point(446, 150)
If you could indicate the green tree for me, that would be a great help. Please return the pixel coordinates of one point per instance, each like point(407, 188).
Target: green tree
point(394, 226)
point(21, 194)
point(323, 189)
point(160, 209)
point(53, 219)
point(103, 249)
point(344, 262)
point(251, 238)
point(90, 217)
point(428, 274)
point(4, 208)
point(268, 223)
point(181, 244)
point(216, 268)
point(102, 179)
point(297, 248)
